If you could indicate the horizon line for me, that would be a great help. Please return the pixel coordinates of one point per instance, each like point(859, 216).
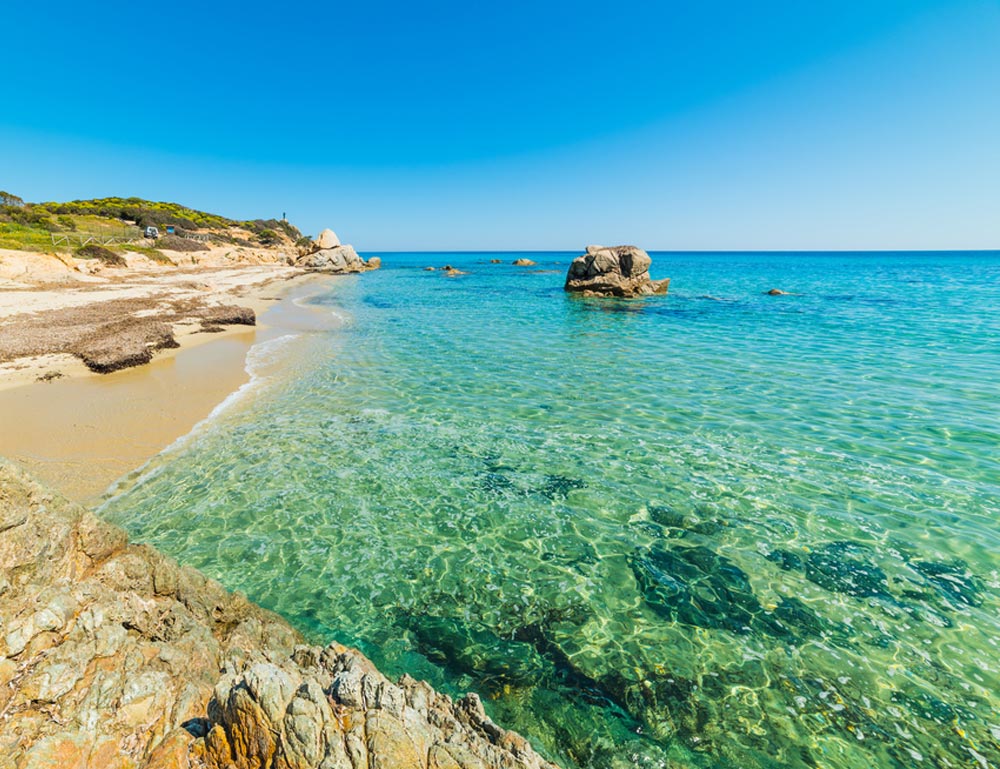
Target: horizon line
point(693, 250)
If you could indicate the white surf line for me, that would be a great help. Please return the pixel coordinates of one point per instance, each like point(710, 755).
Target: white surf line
point(258, 356)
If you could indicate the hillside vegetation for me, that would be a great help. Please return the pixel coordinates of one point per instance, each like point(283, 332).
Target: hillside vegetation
point(32, 226)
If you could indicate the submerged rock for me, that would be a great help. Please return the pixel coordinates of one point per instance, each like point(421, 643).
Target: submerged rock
point(523, 263)
point(621, 271)
point(110, 656)
point(699, 587)
point(475, 650)
point(777, 292)
point(953, 580)
point(844, 567)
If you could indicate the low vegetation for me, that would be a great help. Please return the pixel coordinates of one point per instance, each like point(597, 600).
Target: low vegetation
point(61, 227)
point(175, 243)
point(108, 257)
point(152, 254)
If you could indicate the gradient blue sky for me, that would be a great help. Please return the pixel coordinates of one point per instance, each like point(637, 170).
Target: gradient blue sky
point(522, 125)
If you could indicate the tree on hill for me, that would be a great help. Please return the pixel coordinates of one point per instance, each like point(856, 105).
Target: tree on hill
point(10, 199)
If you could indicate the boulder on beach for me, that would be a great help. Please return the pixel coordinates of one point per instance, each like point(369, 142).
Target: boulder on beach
point(341, 259)
point(327, 239)
point(328, 254)
point(524, 263)
point(621, 271)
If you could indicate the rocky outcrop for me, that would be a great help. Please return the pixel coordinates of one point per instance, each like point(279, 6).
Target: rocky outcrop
point(522, 262)
point(112, 655)
point(328, 255)
point(327, 239)
point(341, 259)
point(613, 271)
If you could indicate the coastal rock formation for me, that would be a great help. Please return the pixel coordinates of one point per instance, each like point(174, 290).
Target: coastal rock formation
point(522, 262)
point(112, 655)
point(328, 255)
point(327, 239)
point(776, 292)
point(613, 271)
point(337, 259)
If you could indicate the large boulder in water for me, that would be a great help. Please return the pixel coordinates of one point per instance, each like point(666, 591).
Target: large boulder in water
point(613, 271)
point(341, 259)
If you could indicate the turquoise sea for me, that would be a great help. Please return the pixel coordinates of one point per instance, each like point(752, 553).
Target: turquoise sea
point(712, 529)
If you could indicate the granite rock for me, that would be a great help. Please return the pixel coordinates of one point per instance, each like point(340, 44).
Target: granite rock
point(113, 656)
point(621, 271)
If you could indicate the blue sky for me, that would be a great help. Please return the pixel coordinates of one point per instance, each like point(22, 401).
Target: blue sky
point(523, 125)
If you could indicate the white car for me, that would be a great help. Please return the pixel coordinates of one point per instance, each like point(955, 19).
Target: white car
point(151, 232)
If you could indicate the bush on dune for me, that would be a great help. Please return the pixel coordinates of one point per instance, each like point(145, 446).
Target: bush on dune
point(175, 243)
point(93, 251)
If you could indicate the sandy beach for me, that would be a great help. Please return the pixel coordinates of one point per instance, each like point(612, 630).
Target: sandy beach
point(78, 430)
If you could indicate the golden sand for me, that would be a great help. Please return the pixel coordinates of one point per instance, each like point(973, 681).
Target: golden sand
point(80, 433)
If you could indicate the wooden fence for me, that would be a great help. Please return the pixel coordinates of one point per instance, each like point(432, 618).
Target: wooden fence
point(127, 235)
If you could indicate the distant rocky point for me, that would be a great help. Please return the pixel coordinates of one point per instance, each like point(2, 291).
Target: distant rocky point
point(621, 271)
point(326, 254)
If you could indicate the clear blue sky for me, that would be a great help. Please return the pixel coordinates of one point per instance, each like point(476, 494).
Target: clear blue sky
point(450, 125)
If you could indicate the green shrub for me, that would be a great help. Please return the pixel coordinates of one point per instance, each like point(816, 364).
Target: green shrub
point(268, 237)
point(66, 222)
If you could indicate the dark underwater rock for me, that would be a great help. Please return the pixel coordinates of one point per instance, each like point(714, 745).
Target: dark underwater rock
point(953, 580)
point(475, 650)
point(672, 519)
point(841, 567)
point(786, 560)
point(559, 486)
point(697, 586)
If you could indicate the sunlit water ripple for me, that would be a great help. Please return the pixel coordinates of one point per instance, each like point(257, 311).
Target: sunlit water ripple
point(715, 528)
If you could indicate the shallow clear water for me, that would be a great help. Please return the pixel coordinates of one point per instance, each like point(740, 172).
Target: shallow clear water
point(715, 528)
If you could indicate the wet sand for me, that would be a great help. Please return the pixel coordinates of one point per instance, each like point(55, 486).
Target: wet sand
point(80, 434)
point(77, 435)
